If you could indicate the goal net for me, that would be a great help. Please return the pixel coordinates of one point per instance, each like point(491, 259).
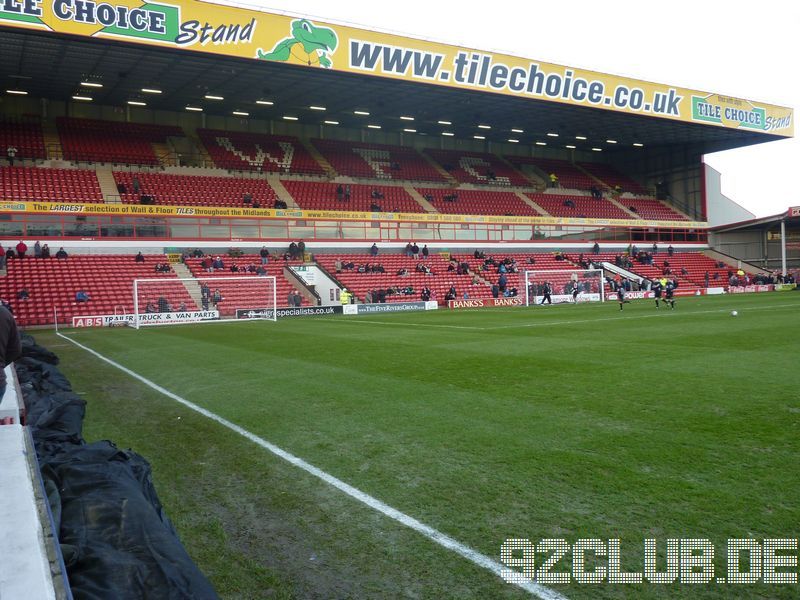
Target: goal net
point(168, 301)
point(569, 285)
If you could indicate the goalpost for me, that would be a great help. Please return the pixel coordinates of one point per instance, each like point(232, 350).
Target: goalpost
point(562, 283)
point(173, 300)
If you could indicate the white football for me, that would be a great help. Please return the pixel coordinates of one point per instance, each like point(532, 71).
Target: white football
point(734, 313)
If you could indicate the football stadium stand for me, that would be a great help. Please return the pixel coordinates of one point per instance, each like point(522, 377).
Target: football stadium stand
point(613, 178)
point(323, 195)
point(239, 151)
point(478, 167)
point(53, 185)
point(92, 140)
point(651, 209)
point(563, 205)
point(377, 161)
point(194, 190)
point(53, 283)
point(23, 134)
point(477, 202)
point(569, 176)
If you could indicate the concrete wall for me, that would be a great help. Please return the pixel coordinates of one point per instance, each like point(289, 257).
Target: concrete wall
point(721, 209)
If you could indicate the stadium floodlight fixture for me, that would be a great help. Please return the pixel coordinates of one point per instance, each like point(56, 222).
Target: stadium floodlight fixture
point(265, 102)
point(541, 143)
point(289, 118)
point(137, 103)
point(321, 108)
point(194, 109)
point(597, 149)
point(479, 137)
point(513, 140)
point(82, 98)
point(213, 97)
point(406, 118)
point(517, 131)
point(361, 113)
point(17, 92)
point(374, 126)
point(444, 122)
point(151, 91)
point(611, 141)
point(580, 137)
point(484, 126)
point(331, 122)
point(638, 144)
point(552, 134)
point(570, 146)
point(410, 130)
point(448, 133)
point(241, 113)
point(91, 84)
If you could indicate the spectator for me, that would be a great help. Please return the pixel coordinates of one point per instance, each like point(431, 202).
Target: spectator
point(339, 192)
point(37, 250)
point(81, 296)
point(46, 251)
point(347, 192)
point(164, 305)
point(425, 251)
point(135, 184)
point(264, 254)
point(415, 250)
point(374, 249)
point(553, 180)
point(139, 258)
point(247, 198)
point(22, 248)
point(61, 253)
point(279, 203)
point(293, 250)
point(10, 346)
point(670, 250)
point(23, 294)
point(11, 153)
point(301, 250)
point(298, 299)
point(217, 297)
point(374, 207)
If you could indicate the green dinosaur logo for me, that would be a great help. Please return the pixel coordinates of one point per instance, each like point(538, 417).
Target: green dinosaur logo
point(309, 45)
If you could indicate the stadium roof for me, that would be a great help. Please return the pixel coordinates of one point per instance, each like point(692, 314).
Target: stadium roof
point(791, 217)
point(54, 64)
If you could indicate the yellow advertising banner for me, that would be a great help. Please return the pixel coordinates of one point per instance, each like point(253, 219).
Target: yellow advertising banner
point(238, 32)
point(157, 211)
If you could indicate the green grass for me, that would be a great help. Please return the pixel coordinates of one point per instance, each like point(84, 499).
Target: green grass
point(565, 421)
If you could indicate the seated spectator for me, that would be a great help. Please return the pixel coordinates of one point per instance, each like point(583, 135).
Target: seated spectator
point(478, 254)
point(151, 308)
point(247, 198)
point(260, 270)
point(45, 251)
point(23, 294)
point(280, 204)
point(216, 298)
point(402, 272)
point(139, 257)
point(373, 207)
point(81, 296)
point(61, 253)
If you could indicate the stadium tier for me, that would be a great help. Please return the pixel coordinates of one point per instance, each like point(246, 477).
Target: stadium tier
point(477, 167)
point(53, 283)
point(194, 190)
point(377, 161)
point(612, 178)
point(477, 202)
point(563, 205)
point(54, 185)
point(688, 268)
point(249, 295)
point(488, 267)
point(439, 279)
point(24, 135)
point(239, 151)
point(320, 195)
point(569, 176)
point(116, 142)
point(651, 209)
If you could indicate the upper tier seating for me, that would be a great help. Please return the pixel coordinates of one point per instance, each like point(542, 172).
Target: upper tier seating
point(49, 185)
point(319, 195)
point(439, 281)
point(611, 177)
point(241, 151)
point(585, 207)
point(108, 279)
point(377, 161)
point(255, 293)
point(477, 167)
point(651, 209)
point(569, 176)
point(112, 141)
point(477, 202)
point(195, 190)
point(24, 135)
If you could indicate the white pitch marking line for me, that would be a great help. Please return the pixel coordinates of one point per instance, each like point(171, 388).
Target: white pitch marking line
point(440, 538)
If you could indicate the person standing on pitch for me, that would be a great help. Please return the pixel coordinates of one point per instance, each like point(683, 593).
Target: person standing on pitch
point(547, 289)
point(669, 294)
point(621, 295)
point(657, 288)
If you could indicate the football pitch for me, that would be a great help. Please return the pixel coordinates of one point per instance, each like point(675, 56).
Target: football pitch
point(565, 422)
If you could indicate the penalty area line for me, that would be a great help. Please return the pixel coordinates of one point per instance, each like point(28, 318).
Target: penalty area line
point(429, 532)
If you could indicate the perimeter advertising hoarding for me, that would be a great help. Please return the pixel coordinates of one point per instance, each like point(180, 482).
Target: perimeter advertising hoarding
point(158, 211)
point(238, 32)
